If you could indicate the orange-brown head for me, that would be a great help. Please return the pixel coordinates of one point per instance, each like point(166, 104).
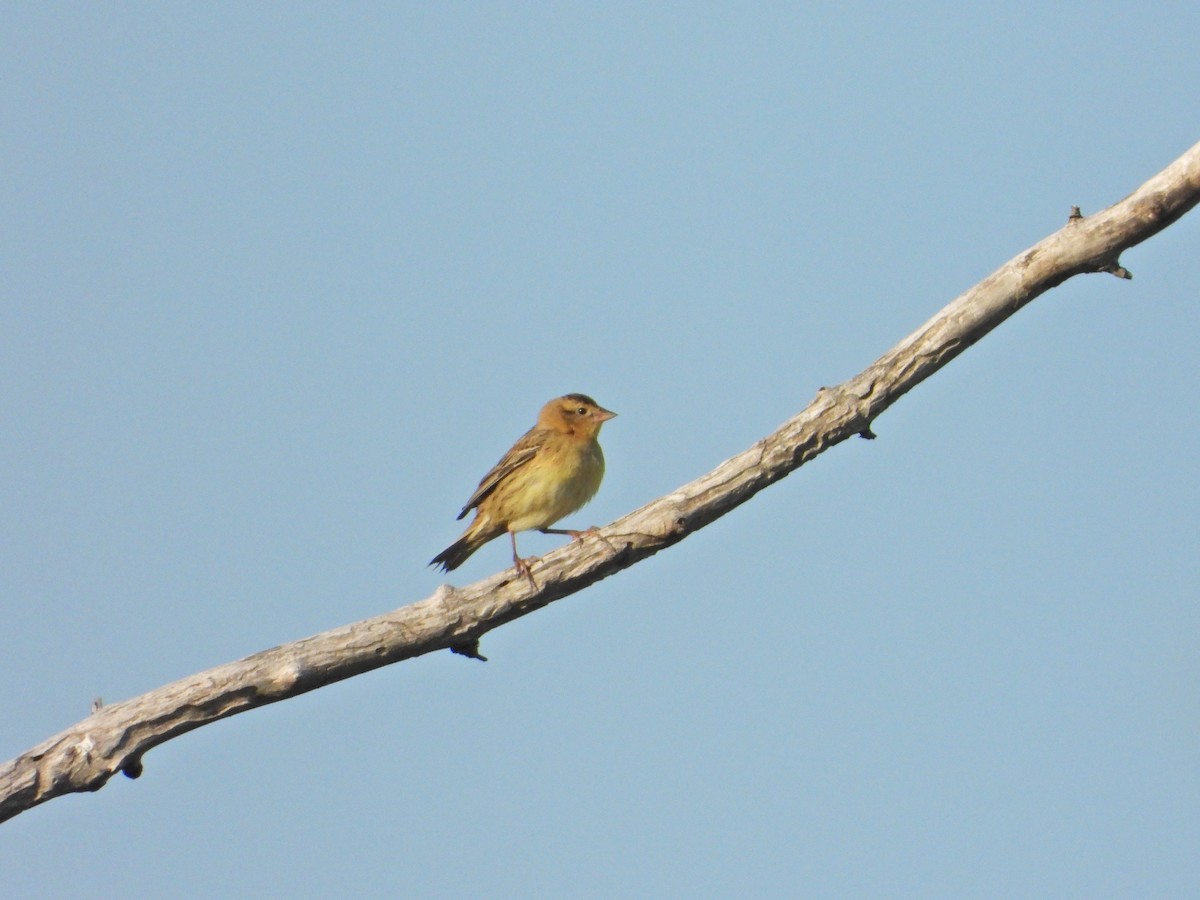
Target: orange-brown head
point(574, 414)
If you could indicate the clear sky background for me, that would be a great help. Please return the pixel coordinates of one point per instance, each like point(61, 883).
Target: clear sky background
point(280, 283)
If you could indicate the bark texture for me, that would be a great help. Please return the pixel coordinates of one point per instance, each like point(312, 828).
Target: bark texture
point(115, 738)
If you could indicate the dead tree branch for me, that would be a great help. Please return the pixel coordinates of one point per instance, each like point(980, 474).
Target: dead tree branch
point(115, 738)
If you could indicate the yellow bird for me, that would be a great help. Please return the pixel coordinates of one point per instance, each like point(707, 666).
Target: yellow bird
point(553, 470)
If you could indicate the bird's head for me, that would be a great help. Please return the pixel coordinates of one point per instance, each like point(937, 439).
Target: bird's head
point(576, 414)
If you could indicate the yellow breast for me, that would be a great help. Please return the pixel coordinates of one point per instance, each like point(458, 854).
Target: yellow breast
point(554, 484)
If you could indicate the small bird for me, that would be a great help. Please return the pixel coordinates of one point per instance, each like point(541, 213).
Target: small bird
point(554, 469)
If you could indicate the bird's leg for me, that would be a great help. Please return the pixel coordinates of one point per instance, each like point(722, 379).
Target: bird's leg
point(580, 535)
point(522, 565)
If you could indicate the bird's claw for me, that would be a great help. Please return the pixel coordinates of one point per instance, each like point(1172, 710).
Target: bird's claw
point(592, 532)
point(522, 567)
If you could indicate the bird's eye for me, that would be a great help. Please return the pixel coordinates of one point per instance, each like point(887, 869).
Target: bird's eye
point(582, 411)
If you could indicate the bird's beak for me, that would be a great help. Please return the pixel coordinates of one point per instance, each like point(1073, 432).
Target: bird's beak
point(603, 415)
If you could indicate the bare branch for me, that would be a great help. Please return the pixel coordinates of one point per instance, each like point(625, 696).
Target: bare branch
point(115, 738)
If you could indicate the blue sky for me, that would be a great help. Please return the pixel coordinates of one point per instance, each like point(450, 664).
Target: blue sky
point(283, 281)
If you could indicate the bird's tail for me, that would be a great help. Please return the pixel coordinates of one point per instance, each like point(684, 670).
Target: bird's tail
point(456, 554)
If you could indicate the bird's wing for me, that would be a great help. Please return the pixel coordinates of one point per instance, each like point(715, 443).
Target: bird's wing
point(522, 452)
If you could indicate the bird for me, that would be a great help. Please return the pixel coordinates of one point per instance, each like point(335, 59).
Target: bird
point(553, 470)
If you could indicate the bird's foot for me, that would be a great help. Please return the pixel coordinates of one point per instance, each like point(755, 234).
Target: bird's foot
point(522, 567)
point(580, 535)
point(591, 532)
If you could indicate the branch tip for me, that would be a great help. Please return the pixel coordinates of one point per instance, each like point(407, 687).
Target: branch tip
point(469, 650)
